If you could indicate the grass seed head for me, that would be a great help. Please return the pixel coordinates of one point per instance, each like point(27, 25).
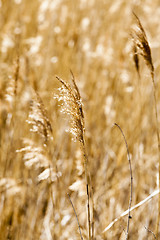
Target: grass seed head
point(71, 105)
point(141, 45)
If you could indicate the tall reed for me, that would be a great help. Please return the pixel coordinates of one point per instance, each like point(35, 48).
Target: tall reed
point(72, 105)
point(142, 47)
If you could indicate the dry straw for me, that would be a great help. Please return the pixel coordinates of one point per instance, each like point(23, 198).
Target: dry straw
point(147, 199)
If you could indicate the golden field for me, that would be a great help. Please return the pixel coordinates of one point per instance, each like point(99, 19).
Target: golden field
point(41, 161)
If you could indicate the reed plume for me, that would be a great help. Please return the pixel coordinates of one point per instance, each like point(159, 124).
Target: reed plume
point(72, 106)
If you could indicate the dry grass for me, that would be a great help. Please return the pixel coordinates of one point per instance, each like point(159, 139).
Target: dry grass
point(101, 41)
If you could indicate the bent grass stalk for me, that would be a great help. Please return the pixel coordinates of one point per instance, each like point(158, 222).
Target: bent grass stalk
point(151, 232)
point(131, 180)
point(76, 216)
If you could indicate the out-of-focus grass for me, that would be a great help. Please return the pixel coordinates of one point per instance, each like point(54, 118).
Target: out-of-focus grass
point(93, 39)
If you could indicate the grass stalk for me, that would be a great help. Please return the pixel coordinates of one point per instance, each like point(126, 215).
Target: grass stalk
point(87, 187)
point(131, 180)
point(93, 217)
point(154, 236)
point(76, 216)
point(158, 140)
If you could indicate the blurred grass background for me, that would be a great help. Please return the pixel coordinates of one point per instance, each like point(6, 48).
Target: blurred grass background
point(48, 38)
